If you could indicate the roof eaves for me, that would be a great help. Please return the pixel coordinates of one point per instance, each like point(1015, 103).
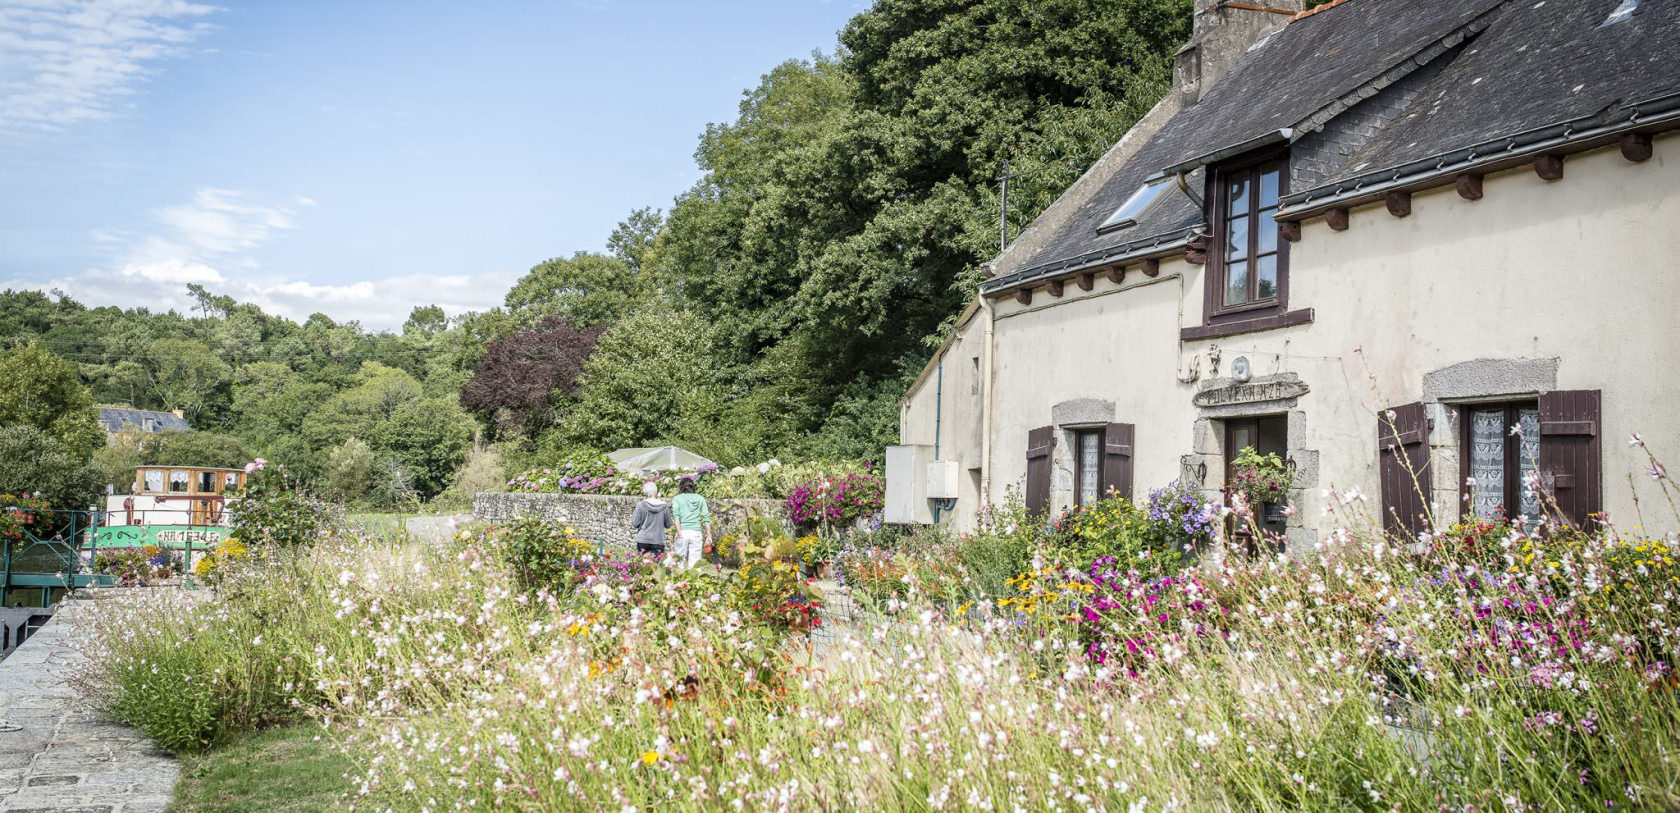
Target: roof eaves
point(1258, 142)
point(939, 355)
point(1661, 112)
point(1163, 243)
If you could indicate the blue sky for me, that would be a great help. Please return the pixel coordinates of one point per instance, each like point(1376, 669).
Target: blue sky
point(356, 158)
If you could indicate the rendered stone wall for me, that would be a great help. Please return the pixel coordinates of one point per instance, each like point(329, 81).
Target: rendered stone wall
point(598, 518)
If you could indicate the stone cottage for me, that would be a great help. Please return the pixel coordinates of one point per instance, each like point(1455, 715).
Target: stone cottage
point(1377, 237)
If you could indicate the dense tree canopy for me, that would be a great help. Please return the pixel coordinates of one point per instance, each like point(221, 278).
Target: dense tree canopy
point(522, 377)
point(845, 214)
point(779, 307)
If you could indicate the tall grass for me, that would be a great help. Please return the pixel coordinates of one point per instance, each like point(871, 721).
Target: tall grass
point(1493, 670)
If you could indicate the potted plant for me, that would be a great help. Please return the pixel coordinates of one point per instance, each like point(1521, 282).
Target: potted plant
point(1264, 480)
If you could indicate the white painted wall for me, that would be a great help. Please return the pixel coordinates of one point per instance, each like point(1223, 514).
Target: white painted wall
point(1585, 270)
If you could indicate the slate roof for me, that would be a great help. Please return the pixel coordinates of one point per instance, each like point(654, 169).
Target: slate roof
point(112, 418)
point(1495, 68)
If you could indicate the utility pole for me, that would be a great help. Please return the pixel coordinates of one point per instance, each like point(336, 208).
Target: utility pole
point(1003, 207)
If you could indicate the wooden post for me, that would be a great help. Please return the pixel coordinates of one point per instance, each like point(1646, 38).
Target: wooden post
point(1085, 281)
point(1337, 218)
point(1290, 230)
point(1116, 274)
point(1023, 296)
point(1548, 167)
point(1054, 287)
point(1152, 267)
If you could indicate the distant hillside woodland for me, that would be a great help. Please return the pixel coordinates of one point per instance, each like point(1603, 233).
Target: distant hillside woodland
point(779, 308)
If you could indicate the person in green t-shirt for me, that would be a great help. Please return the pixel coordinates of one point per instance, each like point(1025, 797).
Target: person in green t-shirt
point(694, 520)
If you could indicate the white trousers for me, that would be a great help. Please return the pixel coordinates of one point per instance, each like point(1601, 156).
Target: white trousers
point(686, 553)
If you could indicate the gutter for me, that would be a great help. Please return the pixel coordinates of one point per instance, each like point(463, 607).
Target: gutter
point(1158, 245)
point(1572, 135)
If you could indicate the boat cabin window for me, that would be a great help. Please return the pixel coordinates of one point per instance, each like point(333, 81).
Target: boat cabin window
point(206, 482)
point(154, 481)
point(178, 482)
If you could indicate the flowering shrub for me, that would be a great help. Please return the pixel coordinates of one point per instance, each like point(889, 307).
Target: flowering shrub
point(273, 512)
point(1131, 620)
point(543, 555)
point(213, 565)
point(132, 567)
point(1114, 528)
point(591, 474)
point(1181, 518)
point(836, 500)
point(1260, 477)
point(21, 511)
point(1359, 676)
point(772, 592)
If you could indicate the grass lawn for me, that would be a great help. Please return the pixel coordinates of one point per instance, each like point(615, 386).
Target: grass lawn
point(294, 768)
point(377, 523)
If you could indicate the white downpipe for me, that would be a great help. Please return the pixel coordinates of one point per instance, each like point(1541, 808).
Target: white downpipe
point(986, 409)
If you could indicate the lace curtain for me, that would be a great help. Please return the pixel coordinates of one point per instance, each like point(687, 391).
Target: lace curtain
point(1090, 459)
point(1489, 434)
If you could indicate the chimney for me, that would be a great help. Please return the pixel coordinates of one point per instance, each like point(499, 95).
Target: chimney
point(1224, 31)
point(179, 413)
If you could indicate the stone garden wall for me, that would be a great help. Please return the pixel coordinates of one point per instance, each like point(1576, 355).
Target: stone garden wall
point(594, 517)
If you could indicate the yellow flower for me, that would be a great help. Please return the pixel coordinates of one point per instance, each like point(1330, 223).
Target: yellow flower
point(650, 757)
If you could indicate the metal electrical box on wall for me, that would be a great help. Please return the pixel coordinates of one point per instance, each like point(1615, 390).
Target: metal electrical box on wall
point(907, 497)
point(942, 480)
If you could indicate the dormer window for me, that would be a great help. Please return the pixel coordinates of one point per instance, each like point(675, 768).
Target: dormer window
point(1135, 206)
point(1249, 263)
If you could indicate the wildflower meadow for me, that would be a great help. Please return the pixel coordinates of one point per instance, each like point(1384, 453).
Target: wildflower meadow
point(1128, 663)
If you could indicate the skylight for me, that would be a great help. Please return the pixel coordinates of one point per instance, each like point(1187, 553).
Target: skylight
point(1622, 12)
point(1134, 206)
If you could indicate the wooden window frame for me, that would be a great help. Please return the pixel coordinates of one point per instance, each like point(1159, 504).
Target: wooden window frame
point(1513, 485)
point(1264, 313)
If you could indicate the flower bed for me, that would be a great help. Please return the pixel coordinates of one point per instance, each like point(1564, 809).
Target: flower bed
point(1539, 667)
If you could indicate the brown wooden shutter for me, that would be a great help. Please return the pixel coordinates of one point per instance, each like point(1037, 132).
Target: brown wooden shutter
point(1571, 466)
point(1040, 442)
point(1401, 442)
point(1117, 459)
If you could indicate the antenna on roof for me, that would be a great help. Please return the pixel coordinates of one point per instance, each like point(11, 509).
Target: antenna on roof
point(1003, 206)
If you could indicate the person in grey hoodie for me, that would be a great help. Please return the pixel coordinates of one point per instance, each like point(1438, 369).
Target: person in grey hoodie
point(651, 520)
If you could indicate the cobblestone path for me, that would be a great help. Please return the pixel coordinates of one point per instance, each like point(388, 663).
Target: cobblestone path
point(58, 755)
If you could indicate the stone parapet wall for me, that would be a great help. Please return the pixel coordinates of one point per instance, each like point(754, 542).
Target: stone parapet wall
point(595, 517)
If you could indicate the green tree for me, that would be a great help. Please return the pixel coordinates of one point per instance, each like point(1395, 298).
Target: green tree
point(362, 410)
point(193, 449)
point(349, 471)
point(34, 461)
point(844, 215)
point(428, 438)
point(41, 390)
point(186, 374)
point(584, 289)
point(649, 373)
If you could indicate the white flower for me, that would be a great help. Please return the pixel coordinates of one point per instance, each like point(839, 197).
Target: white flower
point(764, 468)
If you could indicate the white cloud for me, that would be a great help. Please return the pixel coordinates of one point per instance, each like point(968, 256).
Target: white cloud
point(210, 240)
point(69, 61)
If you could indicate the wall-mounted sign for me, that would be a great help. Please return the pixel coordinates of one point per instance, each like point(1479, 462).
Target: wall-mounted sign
point(1267, 388)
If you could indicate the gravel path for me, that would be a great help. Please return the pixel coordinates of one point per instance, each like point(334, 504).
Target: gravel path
point(58, 755)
